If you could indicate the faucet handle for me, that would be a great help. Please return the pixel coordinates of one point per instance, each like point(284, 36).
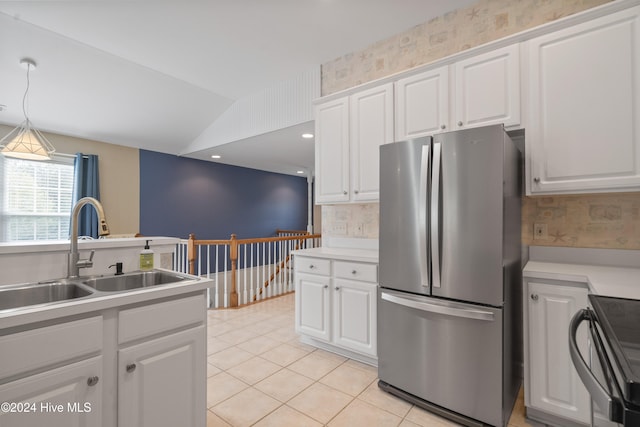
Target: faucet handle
point(86, 263)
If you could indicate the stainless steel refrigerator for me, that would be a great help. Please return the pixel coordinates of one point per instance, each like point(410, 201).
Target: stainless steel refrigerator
point(449, 300)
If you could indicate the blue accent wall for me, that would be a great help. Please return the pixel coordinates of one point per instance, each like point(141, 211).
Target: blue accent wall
point(179, 196)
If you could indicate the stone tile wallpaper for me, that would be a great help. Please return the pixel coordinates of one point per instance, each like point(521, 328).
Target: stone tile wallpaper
point(596, 220)
point(353, 220)
point(462, 29)
point(585, 221)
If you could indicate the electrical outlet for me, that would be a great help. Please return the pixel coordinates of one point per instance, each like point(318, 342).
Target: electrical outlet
point(340, 229)
point(539, 231)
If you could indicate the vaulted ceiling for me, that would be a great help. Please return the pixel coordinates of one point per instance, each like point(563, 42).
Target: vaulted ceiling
point(155, 74)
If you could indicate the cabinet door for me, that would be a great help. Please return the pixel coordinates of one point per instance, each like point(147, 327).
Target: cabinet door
point(313, 305)
point(162, 382)
point(60, 397)
point(332, 151)
point(422, 104)
point(487, 89)
point(584, 124)
point(371, 124)
point(554, 385)
point(354, 316)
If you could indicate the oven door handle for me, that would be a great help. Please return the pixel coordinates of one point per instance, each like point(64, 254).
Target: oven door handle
point(599, 395)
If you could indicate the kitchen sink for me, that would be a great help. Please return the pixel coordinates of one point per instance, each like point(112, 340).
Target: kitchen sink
point(40, 293)
point(135, 280)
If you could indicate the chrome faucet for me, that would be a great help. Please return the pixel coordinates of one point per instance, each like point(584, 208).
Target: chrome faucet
point(74, 261)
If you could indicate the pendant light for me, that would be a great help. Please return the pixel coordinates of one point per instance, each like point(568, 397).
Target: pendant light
point(25, 141)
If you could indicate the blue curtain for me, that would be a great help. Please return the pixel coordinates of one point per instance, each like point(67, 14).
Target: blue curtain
point(86, 183)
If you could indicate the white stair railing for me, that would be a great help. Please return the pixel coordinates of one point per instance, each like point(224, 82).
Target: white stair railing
point(244, 270)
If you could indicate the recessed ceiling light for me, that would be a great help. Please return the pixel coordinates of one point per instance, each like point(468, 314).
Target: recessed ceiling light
point(215, 156)
point(307, 135)
point(300, 172)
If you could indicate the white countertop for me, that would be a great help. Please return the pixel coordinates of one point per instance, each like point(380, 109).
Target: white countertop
point(622, 281)
point(348, 254)
point(63, 245)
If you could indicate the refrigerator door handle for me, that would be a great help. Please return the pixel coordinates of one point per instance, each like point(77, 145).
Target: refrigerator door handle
point(435, 215)
point(434, 307)
point(424, 182)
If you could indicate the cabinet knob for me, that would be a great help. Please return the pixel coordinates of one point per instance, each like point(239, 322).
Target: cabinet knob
point(131, 367)
point(311, 267)
point(326, 286)
point(460, 123)
point(355, 191)
point(534, 297)
point(536, 180)
point(354, 272)
point(91, 381)
point(345, 193)
point(337, 288)
point(443, 126)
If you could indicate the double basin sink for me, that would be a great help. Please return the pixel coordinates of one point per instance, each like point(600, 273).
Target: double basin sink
point(27, 295)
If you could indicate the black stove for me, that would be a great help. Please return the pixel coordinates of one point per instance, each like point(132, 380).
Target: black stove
point(620, 322)
point(613, 375)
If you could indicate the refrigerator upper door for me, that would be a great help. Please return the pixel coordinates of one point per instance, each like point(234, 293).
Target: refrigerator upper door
point(404, 189)
point(470, 228)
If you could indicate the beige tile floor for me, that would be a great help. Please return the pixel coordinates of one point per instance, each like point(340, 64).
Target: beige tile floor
point(259, 374)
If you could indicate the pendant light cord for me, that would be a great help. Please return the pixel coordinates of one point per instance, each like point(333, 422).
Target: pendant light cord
point(24, 98)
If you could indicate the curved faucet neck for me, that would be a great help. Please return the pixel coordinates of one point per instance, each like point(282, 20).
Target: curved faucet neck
point(73, 266)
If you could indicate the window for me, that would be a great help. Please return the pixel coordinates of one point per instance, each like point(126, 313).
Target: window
point(36, 199)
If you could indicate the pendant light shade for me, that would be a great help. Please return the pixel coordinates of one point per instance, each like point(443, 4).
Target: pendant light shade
point(25, 141)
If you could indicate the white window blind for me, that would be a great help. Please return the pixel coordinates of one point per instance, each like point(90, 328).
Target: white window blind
point(36, 199)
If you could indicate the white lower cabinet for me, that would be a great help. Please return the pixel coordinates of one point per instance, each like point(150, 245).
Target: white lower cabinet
point(67, 396)
point(66, 374)
point(336, 312)
point(354, 316)
point(162, 382)
point(553, 390)
point(313, 305)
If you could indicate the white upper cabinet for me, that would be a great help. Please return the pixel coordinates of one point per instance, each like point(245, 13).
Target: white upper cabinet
point(583, 130)
point(487, 89)
point(349, 132)
point(371, 123)
point(422, 104)
point(483, 90)
point(332, 151)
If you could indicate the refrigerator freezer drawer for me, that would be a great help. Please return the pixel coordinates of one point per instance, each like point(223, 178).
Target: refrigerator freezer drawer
point(449, 354)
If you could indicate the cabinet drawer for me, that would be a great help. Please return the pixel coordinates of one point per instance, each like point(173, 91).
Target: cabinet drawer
point(356, 271)
point(38, 348)
point(140, 322)
point(313, 265)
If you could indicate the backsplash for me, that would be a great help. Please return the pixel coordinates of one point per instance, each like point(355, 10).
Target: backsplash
point(585, 221)
point(351, 220)
point(482, 22)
